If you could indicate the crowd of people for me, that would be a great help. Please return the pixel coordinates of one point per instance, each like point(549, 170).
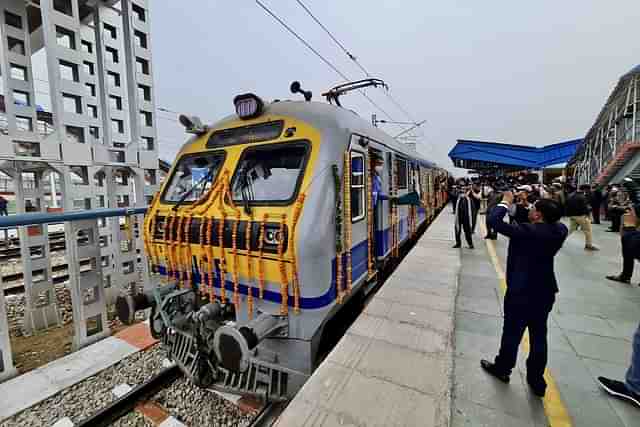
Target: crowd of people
point(530, 214)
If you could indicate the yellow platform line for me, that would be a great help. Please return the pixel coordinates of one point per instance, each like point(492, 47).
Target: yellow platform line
point(554, 408)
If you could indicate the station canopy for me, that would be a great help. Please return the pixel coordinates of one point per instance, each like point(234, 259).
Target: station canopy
point(483, 156)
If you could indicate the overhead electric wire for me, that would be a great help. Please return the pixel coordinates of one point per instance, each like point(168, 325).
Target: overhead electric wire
point(318, 54)
point(354, 59)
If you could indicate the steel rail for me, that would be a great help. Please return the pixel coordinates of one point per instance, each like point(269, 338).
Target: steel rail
point(125, 404)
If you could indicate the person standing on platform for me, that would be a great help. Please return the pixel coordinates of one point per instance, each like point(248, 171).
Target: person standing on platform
point(578, 210)
point(630, 246)
point(605, 202)
point(494, 199)
point(630, 389)
point(453, 196)
point(596, 203)
point(464, 218)
point(531, 287)
point(617, 201)
point(520, 209)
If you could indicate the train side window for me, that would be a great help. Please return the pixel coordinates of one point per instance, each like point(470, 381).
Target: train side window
point(357, 186)
point(401, 173)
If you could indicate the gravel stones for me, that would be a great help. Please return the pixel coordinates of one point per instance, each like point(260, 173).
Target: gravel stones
point(83, 399)
point(198, 407)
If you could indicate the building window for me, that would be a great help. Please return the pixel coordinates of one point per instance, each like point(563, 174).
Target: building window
point(72, 103)
point(401, 173)
point(69, 71)
point(115, 102)
point(94, 131)
point(146, 143)
point(13, 20)
point(86, 46)
point(63, 6)
point(139, 12)
point(150, 177)
point(24, 124)
point(66, 38)
point(357, 186)
point(28, 149)
point(144, 92)
point(75, 134)
point(145, 118)
point(141, 38)
point(142, 65)
point(117, 125)
point(18, 72)
point(16, 46)
point(93, 110)
point(112, 54)
point(91, 89)
point(110, 31)
point(114, 78)
point(21, 98)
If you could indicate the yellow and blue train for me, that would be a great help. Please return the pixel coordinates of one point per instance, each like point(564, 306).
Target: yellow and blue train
point(265, 227)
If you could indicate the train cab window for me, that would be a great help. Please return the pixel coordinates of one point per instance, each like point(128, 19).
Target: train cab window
point(401, 173)
point(193, 176)
point(270, 174)
point(357, 187)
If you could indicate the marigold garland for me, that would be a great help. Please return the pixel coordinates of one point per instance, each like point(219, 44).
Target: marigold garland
point(234, 251)
point(247, 243)
point(284, 281)
point(294, 257)
point(347, 216)
point(261, 282)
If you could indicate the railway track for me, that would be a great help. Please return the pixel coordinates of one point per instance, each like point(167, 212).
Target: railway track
point(125, 404)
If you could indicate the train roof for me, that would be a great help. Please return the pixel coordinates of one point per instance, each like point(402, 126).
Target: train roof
point(322, 114)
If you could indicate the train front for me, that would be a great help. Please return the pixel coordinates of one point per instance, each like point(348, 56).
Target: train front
point(222, 232)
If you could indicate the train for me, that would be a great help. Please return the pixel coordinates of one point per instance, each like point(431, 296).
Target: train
point(263, 231)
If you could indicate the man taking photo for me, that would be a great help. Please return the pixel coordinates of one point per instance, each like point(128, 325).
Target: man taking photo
point(531, 287)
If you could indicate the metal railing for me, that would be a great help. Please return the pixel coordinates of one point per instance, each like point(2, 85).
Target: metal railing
point(91, 289)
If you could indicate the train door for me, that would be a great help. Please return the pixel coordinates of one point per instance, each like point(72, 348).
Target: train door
point(359, 198)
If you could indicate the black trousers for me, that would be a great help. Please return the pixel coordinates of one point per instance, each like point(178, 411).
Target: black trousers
point(616, 218)
point(474, 217)
point(523, 312)
point(466, 227)
point(595, 212)
point(630, 252)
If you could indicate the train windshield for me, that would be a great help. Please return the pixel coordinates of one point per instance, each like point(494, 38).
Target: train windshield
point(193, 176)
point(270, 174)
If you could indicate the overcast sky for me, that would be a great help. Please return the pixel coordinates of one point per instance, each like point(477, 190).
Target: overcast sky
point(529, 73)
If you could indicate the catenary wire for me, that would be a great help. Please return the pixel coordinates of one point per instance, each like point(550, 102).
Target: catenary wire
point(353, 58)
point(318, 54)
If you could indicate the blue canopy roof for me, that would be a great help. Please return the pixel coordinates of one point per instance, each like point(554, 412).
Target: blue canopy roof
point(483, 155)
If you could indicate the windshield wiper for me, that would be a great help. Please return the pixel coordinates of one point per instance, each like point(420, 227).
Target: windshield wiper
point(245, 190)
point(202, 180)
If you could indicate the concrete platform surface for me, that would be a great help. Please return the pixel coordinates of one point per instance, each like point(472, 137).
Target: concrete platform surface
point(394, 366)
point(26, 390)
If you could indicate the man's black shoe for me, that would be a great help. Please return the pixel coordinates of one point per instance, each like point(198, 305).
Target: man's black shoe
point(537, 387)
point(491, 369)
point(619, 389)
point(471, 247)
point(619, 278)
point(455, 246)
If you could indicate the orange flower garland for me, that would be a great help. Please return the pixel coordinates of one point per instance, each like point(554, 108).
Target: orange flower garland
point(284, 281)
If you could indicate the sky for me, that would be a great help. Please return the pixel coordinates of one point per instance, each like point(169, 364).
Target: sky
point(531, 73)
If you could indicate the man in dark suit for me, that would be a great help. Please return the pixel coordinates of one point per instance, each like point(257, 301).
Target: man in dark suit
point(531, 287)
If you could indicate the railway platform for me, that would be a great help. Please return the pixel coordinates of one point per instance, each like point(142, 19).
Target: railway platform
point(412, 358)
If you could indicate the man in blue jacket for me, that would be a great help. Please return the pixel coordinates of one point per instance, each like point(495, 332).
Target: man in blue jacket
point(531, 287)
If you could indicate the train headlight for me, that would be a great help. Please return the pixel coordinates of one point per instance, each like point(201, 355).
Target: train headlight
point(272, 236)
point(248, 106)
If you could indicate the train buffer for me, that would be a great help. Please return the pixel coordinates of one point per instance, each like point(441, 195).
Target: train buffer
point(412, 357)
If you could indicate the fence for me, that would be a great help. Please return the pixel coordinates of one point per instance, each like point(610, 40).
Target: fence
point(90, 293)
